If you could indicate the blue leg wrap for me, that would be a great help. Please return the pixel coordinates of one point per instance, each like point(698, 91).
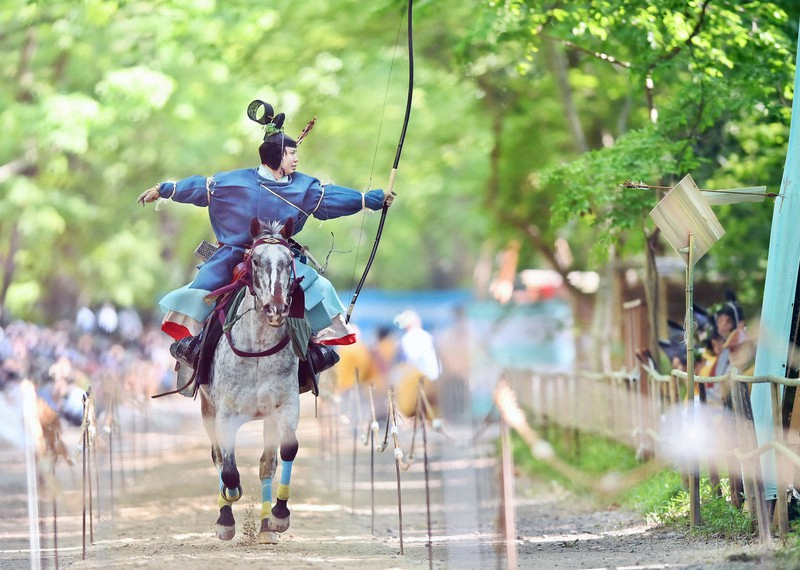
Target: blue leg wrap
point(266, 490)
point(286, 472)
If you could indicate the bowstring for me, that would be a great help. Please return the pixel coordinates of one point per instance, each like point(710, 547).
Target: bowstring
point(375, 152)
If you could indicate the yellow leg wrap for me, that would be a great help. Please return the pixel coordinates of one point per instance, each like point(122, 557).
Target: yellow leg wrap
point(222, 502)
point(265, 510)
point(283, 492)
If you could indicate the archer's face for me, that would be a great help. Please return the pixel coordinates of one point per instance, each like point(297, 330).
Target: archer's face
point(289, 161)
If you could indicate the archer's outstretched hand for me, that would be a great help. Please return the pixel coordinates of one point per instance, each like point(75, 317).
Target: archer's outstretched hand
point(388, 198)
point(149, 195)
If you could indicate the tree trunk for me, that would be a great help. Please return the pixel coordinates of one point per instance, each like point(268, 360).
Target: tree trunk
point(9, 268)
point(651, 287)
point(560, 68)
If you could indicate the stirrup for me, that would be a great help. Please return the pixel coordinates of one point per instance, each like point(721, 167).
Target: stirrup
point(186, 350)
point(318, 359)
point(184, 380)
point(321, 357)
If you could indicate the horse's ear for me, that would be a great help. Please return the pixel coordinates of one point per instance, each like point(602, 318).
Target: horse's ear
point(255, 227)
point(287, 230)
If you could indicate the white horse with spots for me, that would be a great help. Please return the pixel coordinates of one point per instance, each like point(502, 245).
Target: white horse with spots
point(254, 376)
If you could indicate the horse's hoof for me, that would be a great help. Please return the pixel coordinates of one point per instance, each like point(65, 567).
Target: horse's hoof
point(231, 495)
point(226, 526)
point(278, 525)
point(266, 536)
point(225, 532)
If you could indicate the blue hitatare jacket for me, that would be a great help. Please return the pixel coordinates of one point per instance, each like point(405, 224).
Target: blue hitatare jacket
point(233, 199)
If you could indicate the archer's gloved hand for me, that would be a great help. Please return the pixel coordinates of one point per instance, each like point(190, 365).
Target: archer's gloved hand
point(149, 195)
point(388, 198)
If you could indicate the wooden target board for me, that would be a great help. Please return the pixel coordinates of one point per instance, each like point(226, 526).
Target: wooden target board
point(682, 211)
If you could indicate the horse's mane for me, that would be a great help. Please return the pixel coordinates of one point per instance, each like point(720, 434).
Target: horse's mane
point(265, 228)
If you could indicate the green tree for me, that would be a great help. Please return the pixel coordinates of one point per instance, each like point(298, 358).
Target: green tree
point(605, 92)
point(103, 98)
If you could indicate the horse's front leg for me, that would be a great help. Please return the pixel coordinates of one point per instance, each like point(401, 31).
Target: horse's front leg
point(226, 524)
point(230, 488)
point(279, 517)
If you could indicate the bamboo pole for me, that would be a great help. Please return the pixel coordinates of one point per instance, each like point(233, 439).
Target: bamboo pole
point(421, 413)
point(398, 458)
point(694, 465)
point(31, 428)
point(507, 496)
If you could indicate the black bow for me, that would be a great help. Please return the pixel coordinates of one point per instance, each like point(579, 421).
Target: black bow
point(393, 173)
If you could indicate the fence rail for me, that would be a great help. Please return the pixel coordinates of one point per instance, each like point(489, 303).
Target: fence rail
point(649, 411)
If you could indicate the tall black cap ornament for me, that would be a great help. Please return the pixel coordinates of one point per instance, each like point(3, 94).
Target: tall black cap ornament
point(263, 114)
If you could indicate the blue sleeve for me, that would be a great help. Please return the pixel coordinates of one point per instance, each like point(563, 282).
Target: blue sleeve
point(192, 190)
point(340, 201)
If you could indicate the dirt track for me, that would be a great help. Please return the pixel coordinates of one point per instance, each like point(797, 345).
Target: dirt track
point(163, 507)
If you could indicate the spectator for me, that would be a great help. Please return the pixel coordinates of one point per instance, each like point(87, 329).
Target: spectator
point(85, 320)
point(107, 319)
point(455, 345)
point(416, 345)
point(356, 363)
point(419, 361)
point(711, 352)
point(385, 352)
point(738, 349)
point(130, 325)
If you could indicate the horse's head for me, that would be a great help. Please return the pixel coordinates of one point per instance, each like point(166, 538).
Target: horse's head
point(272, 269)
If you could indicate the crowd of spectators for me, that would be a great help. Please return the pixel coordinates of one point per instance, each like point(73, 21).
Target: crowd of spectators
point(722, 342)
point(117, 358)
point(109, 353)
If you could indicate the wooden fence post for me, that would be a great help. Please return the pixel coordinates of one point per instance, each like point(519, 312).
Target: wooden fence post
point(781, 515)
point(753, 483)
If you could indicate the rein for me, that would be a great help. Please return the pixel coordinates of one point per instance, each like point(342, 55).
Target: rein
point(281, 344)
point(246, 279)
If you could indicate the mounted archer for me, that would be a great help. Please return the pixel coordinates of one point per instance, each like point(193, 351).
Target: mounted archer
point(272, 191)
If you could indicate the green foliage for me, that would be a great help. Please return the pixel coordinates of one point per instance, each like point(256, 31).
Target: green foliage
point(102, 99)
point(788, 556)
point(589, 187)
point(664, 500)
point(590, 453)
point(660, 89)
point(526, 116)
point(657, 491)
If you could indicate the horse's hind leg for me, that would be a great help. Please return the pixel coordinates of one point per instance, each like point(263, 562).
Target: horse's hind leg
point(266, 472)
point(226, 525)
point(275, 519)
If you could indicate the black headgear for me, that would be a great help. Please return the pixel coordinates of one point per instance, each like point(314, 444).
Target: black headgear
point(673, 349)
point(271, 150)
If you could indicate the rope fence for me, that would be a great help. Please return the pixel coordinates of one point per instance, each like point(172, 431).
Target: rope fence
point(639, 408)
point(646, 410)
